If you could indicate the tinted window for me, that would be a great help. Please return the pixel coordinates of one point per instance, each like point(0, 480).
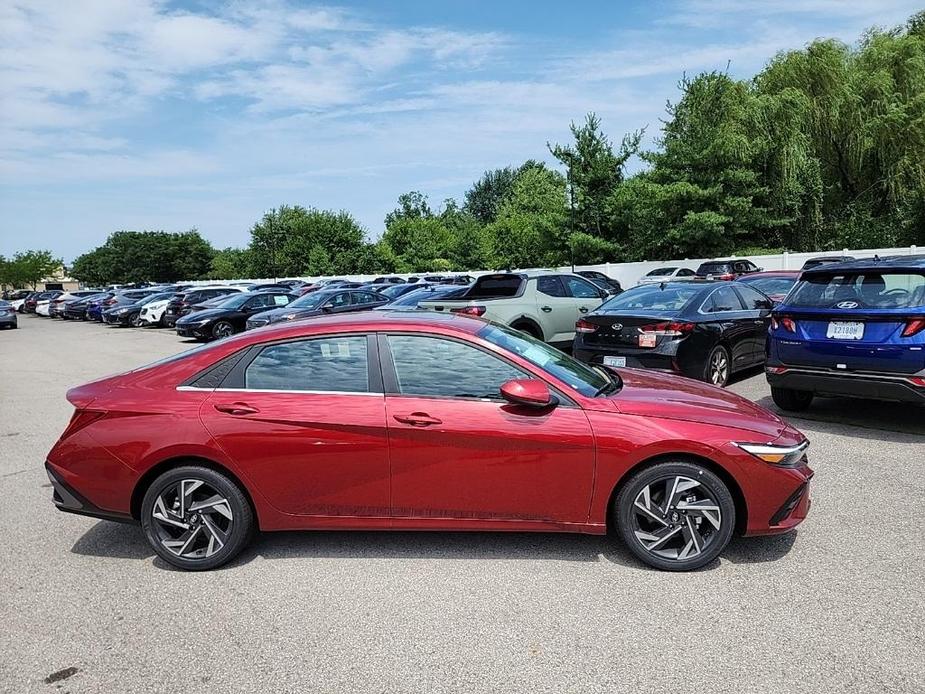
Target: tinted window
point(867, 289)
point(585, 379)
point(365, 298)
point(754, 300)
point(581, 289)
point(661, 298)
point(338, 300)
point(660, 272)
point(258, 301)
point(328, 364)
point(684, 272)
point(723, 299)
point(713, 269)
point(550, 286)
point(431, 366)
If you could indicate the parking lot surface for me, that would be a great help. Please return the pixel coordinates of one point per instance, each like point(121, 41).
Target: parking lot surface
point(86, 607)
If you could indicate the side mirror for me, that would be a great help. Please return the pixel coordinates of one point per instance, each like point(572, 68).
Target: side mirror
point(325, 309)
point(528, 392)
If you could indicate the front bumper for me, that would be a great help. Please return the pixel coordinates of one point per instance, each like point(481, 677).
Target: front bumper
point(9, 319)
point(69, 500)
point(845, 384)
point(197, 331)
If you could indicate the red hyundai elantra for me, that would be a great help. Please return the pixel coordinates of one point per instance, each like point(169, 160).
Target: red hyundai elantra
point(422, 422)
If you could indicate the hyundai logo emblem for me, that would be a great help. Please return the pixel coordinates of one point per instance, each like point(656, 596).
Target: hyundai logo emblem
point(847, 304)
point(617, 327)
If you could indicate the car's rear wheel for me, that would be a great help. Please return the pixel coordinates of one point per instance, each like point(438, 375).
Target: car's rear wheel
point(222, 329)
point(196, 518)
point(791, 400)
point(675, 516)
point(718, 368)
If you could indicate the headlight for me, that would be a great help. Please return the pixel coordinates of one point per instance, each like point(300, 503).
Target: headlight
point(777, 455)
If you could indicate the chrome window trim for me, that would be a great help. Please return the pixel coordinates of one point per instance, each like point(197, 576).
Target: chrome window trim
point(272, 390)
point(717, 313)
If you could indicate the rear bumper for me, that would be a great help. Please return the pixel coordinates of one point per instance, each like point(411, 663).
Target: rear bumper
point(634, 359)
point(825, 383)
point(170, 319)
point(69, 500)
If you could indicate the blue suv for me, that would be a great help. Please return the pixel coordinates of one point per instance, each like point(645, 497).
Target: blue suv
point(852, 329)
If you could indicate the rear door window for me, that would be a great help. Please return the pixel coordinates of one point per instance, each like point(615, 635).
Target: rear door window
point(331, 364)
point(550, 285)
point(722, 300)
point(754, 300)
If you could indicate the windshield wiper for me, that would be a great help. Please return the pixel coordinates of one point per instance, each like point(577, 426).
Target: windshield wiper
point(613, 382)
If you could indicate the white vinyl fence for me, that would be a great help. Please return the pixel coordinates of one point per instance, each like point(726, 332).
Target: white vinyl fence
point(628, 274)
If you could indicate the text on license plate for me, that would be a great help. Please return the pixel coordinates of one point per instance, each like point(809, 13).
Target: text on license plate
point(614, 361)
point(845, 330)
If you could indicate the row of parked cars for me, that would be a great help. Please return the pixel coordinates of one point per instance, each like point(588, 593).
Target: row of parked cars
point(837, 327)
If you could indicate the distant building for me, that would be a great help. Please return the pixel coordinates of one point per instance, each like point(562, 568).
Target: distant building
point(59, 280)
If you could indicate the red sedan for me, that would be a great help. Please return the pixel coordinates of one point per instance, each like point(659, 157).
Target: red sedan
point(424, 422)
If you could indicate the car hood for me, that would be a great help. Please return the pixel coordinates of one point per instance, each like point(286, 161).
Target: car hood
point(204, 314)
point(157, 304)
point(276, 314)
point(654, 394)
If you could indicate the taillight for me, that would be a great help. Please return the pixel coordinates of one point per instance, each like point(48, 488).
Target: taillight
point(913, 327)
point(79, 420)
point(776, 369)
point(583, 326)
point(669, 328)
point(727, 276)
point(110, 302)
point(917, 381)
point(469, 310)
point(785, 322)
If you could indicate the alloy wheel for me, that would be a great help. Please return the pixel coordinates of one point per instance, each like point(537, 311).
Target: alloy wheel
point(676, 518)
point(191, 519)
point(223, 329)
point(719, 367)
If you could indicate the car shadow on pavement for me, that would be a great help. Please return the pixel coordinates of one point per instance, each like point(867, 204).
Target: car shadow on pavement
point(123, 541)
point(868, 419)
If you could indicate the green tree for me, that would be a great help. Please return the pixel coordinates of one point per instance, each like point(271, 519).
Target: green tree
point(593, 171)
point(532, 226)
point(28, 268)
point(146, 256)
point(231, 264)
point(296, 241)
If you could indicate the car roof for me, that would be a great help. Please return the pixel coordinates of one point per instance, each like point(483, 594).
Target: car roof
point(370, 320)
point(895, 262)
point(769, 273)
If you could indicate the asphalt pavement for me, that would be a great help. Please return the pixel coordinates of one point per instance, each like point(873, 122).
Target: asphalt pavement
point(86, 607)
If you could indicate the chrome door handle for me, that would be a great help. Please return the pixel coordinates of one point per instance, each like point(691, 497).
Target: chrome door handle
point(236, 408)
point(417, 419)
point(545, 309)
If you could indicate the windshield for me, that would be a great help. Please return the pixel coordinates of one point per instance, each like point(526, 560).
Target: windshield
point(707, 268)
point(313, 300)
point(865, 289)
point(660, 272)
point(586, 380)
point(391, 291)
point(234, 301)
point(660, 298)
point(413, 298)
point(156, 297)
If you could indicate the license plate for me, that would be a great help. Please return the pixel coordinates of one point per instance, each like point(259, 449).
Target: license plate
point(845, 330)
point(647, 340)
point(614, 361)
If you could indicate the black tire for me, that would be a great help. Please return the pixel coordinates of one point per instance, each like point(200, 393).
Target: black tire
point(239, 532)
point(528, 328)
point(135, 320)
point(791, 400)
point(624, 514)
point(222, 329)
point(717, 353)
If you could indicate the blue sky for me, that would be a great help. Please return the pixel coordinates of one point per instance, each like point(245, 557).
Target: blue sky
point(141, 114)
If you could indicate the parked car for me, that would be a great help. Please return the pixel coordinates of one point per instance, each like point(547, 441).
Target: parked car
point(773, 283)
point(609, 284)
point(56, 307)
point(11, 295)
point(125, 315)
point(43, 302)
point(269, 286)
point(852, 329)
point(541, 303)
point(394, 291)
point(669, 273)
point(336, 300)
point(180, 304)
point(152, 313)
point(264, 431)
point(30, 302)
point(826, 260)
point(94, 308)
point(388, 280)
point(121, 298)
point(230, 315)
point(8, 317)
point(726, 269)
point(77, 309)
point(424, 292)
point(702, 330)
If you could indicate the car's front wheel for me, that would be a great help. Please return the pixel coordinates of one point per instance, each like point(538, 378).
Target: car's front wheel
point(675, 516)
point(791, 400)
point(196, 518)
point(222, 329)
